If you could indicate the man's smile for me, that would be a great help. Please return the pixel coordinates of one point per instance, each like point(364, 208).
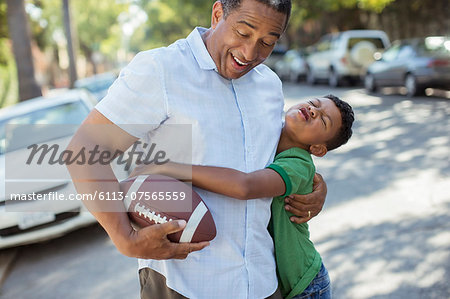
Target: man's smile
point(241, 63)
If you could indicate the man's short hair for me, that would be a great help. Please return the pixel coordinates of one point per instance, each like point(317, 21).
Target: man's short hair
point(345, 132)
point(283, 6)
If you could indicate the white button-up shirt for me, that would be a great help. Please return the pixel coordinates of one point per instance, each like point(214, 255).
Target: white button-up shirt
point(236, 124)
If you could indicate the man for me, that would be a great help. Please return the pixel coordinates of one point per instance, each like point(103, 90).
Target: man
point(212, 80)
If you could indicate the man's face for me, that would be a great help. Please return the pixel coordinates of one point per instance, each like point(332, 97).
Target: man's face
point(314, 122)
point(245, 38)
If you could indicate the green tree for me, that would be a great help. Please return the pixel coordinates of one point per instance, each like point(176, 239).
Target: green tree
point(7, 71)
point(71, 40)
point(98, 28)
point(95, 23)
point(19, 33)
point(170, 20)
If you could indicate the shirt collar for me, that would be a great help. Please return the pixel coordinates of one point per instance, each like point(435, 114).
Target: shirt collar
point(199, 50)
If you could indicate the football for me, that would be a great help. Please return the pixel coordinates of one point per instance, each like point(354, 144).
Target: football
point(155, 199)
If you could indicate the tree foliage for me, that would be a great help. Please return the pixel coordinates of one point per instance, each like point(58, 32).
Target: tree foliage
point(170, 20)
point(95, 23)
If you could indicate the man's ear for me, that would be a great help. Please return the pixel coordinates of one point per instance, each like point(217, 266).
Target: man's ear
point(318, 150)
point(217, 14)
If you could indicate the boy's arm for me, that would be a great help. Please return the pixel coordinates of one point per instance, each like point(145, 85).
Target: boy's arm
point(226, 181)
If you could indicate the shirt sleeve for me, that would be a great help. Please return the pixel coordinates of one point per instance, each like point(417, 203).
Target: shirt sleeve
point(296, 173)
point(137, 101)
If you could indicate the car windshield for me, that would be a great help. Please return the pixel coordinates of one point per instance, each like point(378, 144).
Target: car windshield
point(434, 45)
point(69, 113)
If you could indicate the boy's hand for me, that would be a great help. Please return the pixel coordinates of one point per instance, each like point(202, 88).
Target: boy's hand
point(309, 205)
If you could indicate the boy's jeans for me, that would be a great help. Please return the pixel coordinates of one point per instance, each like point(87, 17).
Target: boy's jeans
point(319, 288)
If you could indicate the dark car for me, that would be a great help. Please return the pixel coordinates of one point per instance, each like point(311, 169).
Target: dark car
point(416, 64)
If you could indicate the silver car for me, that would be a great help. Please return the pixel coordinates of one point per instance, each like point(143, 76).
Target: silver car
point(32, 222)
point(416, 64)
point(98, 84)
point(292, 66)
point(344, 55)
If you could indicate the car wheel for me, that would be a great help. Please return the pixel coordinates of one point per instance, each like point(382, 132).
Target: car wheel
point(412, 89)
point(369, 83)
point(310, 79)
point(333, 79)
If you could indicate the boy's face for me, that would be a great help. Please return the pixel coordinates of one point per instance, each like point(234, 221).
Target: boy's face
point(313, 123)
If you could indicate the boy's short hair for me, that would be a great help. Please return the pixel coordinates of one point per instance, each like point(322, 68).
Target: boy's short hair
point(345, 132)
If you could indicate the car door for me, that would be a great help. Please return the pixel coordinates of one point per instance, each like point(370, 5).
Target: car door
point(399, 66)
point(319, 60)
point(382, 69)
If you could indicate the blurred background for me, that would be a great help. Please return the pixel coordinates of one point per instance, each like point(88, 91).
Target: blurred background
point(47, 44)
point(385, 228)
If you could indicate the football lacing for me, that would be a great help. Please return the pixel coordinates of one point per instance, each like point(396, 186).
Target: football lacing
point(151, 215)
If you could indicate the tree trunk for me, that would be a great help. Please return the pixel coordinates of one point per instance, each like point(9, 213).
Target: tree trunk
point(19, 33)
point(71, 42)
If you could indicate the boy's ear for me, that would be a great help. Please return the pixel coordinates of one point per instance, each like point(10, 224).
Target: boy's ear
point(318, 150)
point(217, 14)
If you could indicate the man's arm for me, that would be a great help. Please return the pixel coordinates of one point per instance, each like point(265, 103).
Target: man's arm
point(91, 178)
point(309, 205)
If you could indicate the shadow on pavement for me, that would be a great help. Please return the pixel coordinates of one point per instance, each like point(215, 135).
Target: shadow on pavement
point(408, 258)
point(392, 140)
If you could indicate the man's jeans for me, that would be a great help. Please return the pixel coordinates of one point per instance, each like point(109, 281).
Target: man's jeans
point(319, 288)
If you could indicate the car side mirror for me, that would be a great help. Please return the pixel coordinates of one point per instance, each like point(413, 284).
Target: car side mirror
point(377, 56)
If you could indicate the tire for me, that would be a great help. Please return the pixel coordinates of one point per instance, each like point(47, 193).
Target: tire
point(412, 88)
point(369, 83)
point(310, 79)
point(333, 79)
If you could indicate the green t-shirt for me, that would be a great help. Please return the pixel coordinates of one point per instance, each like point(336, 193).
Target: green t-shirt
point(298, 262)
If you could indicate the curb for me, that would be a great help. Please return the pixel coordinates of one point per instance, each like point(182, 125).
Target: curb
point(7, 258)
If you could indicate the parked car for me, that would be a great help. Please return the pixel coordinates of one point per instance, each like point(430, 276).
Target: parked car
point(292, 66)
point(98, 85)
point(31, 221)
point(276, 55)
point(415, 63)
point(344, 55)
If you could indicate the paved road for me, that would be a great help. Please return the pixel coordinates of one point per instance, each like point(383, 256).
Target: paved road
point(384, 232)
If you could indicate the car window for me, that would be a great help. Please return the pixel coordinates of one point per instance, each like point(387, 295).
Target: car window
point(378, 43)
point(323, 44)
point(335, 40)
point(434, 45)
point(290, 55)
point(97, 85)
point(391, 53)
point(70, 113)
point(405, 52)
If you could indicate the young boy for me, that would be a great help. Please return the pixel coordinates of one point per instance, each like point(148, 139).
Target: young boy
point(315, 127)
